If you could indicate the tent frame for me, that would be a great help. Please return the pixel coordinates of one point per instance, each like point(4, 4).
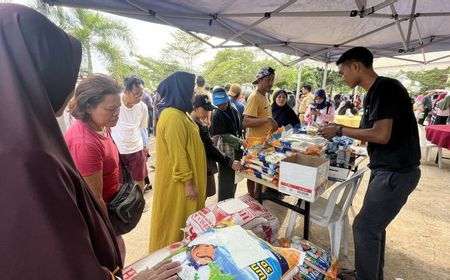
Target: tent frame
point(300, 48)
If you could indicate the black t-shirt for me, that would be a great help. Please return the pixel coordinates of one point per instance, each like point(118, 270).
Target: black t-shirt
point(388, 99)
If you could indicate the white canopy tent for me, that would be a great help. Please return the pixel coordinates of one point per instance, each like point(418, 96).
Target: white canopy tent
point(308, 29)
point(315, 29)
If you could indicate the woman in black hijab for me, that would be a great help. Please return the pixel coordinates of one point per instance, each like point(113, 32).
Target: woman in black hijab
point(281, 112)
point(52, 227)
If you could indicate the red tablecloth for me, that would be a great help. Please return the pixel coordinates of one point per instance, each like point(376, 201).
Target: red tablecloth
point(439, 135)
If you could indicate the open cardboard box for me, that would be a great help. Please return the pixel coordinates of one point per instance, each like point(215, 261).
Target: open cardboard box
point(304, 176)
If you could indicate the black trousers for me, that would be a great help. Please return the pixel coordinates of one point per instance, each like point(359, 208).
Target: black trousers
point(227, 187)
point(386, 194)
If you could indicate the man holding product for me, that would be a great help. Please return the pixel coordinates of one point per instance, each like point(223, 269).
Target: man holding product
point(389, 126)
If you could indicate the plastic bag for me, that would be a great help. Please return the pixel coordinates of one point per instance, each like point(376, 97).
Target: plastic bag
point(216, 255)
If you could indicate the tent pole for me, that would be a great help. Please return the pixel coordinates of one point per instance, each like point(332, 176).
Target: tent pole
point(411, 22)
point(224, 24)
point(420, 41)
point(169, 23)
point(399, 27)
point(439, 58)
point(371, 32)
point(299, 80)
point(325, 73)
point(313, 54)
point(264, 18)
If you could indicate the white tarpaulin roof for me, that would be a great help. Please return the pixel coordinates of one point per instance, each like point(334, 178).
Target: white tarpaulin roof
point(316, 29)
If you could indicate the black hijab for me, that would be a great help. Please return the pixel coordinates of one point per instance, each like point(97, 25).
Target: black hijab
point(52, 228)
point(283, 115)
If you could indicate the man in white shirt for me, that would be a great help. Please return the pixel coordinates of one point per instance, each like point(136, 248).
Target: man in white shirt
point(133, 117)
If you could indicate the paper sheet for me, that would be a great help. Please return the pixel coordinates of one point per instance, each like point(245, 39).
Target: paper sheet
point(232, 206)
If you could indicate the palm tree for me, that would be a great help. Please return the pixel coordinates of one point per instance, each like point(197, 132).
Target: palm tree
point(97, 33)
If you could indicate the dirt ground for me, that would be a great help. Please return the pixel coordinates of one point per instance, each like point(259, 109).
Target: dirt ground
point(417, 244)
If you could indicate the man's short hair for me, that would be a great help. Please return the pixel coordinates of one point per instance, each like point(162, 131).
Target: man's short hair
point(308, 87)
point(359, 54)
point(129, 82)
point(200, 82)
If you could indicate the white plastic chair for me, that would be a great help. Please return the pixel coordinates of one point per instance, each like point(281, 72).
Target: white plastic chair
point(332, 214)
point(424, 143)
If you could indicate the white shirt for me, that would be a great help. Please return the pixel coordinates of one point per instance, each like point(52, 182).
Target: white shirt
point(127, 132)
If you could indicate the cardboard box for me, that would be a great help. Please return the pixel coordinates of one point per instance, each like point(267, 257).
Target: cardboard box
point(303, 176)
point(336, 173)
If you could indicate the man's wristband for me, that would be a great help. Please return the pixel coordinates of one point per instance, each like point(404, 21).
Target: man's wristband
point(339, 131)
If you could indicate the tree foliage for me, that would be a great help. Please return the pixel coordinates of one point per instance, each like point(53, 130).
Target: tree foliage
point(241, 65)
point(431, 79)
point(231, 66)
point(99, 35)
point(153, 71)
point(183, 50)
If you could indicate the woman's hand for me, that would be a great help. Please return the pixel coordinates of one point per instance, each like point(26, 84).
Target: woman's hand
point(190, 191)
point(165, 270)
point(237, 166)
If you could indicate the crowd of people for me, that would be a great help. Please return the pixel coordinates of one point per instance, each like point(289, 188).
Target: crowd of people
point(433, 107)
point(64, 183)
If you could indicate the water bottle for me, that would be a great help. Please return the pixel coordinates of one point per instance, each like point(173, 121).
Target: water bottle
point(347, 153)
point(340, 156)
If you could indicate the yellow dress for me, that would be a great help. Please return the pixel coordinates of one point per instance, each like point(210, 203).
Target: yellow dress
point(180, 156)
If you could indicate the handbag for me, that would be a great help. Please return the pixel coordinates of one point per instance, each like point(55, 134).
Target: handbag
point(125, 209)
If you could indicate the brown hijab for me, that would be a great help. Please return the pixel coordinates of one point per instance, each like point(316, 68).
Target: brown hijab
point(51, 226)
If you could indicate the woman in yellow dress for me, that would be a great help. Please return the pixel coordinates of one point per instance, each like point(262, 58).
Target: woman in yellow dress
point(180, 176)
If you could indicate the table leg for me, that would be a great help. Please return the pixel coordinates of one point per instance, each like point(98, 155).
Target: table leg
point(306, 221)
point(259, 192)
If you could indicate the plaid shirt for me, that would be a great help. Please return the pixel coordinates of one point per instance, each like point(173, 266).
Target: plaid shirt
point(226, 148)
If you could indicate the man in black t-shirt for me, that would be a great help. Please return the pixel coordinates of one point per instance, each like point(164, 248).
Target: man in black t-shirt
point(390, 128)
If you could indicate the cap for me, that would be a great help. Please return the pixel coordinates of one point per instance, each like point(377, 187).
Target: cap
point(234, 90)
point(202, 100)
point(263, 72)
point(219, 96)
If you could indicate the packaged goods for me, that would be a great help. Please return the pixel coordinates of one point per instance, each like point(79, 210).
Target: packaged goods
point(244, 211)
point(318, 263)
point(268, 171)
point(216, 255)
point(271, 156)
point(264, 164)
point(260, 175)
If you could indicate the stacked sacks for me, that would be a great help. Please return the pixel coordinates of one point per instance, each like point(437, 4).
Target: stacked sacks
point(244, 211)
point(216, 255)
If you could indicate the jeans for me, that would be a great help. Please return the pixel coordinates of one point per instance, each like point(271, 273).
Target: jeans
point(386, 194)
